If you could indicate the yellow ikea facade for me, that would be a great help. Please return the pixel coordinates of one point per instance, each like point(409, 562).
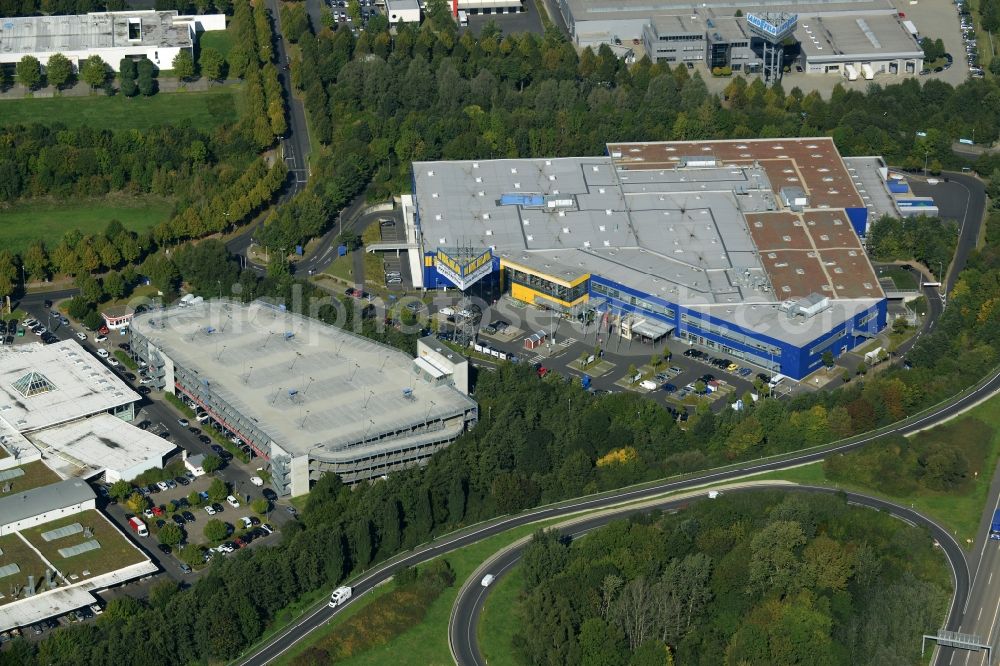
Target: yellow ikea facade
point(540, 286)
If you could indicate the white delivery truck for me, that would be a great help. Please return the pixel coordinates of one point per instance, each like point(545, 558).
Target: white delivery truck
point(850, 72)
point(463, 18)
point(339, 596)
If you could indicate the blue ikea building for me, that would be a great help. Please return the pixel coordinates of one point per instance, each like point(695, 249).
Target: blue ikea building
point(748, 248)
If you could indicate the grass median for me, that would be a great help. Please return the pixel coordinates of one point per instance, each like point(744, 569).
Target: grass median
point(427, 642)
point(500, 618)
point(976, 434)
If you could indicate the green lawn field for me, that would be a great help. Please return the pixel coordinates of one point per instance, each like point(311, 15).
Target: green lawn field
point(203, 109)
point(221, 40)
point(500, 619)
point(49, 220)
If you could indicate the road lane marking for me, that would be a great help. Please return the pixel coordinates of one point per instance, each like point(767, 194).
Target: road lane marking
point(651, 492)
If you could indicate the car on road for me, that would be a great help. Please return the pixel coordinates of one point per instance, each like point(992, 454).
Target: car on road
point(487, 580)
point(184, 422)
point(185, 568)
point(81, 336)
point(113, 362)
point(100, 338)
point(233, 502)
point(164, 548)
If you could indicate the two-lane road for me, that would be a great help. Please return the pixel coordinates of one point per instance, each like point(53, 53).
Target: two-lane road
point(464, 624)
point(320, 614)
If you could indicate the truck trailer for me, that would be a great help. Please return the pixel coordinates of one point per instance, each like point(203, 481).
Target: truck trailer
point(138, 526)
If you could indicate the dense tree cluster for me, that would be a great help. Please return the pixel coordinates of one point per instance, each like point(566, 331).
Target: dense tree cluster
point(380, 101)
point(79, 162)
point(943, 459)
point(231, 205)
point(758, 578)
point(252, 59)
point(927, 240)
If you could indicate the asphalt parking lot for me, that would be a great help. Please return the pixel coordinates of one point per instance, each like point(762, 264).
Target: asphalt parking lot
point(567, 342)
point(526, 21)
point(162, 419)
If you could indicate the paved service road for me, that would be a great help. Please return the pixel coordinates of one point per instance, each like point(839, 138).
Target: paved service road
point(319, 615)
point(462, 628)
point(963, 199)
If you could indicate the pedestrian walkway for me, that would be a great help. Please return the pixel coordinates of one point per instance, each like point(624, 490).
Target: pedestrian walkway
point(81, 89)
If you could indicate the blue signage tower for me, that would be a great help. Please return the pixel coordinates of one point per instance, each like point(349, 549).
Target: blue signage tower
point(774, 28)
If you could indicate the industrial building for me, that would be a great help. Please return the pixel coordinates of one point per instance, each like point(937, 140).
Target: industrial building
point(156, 35)
point(474, 7)
point(43, 531)
point(849, 37)
point(747, 247)
point(61, 404)
point(307, 397)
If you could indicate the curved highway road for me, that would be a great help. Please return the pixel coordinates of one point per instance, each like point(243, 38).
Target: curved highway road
point(320, 614)
point(462, 628)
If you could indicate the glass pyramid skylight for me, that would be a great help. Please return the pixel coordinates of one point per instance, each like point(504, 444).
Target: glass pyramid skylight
point(33, 383)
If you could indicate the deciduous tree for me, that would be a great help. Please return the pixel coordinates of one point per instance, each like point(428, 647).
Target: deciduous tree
point(183, 65)
point(58, 70)
point(94, 71)
point(212, 64)
point(28, 72)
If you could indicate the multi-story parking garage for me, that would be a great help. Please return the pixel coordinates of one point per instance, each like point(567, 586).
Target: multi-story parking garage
point(747, 247)
point(307, 397)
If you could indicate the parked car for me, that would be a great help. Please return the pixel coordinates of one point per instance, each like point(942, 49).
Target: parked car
point(184, 422)
point(188, 516)
point(209, 509)
point(233, 502)
point(81, 336)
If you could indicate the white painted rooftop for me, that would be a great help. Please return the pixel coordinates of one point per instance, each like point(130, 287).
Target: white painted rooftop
point(76, 384)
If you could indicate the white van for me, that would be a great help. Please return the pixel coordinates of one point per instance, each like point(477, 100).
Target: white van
point(777, 379)
point(339, 596)
point(463, 18)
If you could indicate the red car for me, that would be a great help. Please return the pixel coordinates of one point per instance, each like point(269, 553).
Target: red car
point(157, 511)
point(240, 542)
point(542, 371)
